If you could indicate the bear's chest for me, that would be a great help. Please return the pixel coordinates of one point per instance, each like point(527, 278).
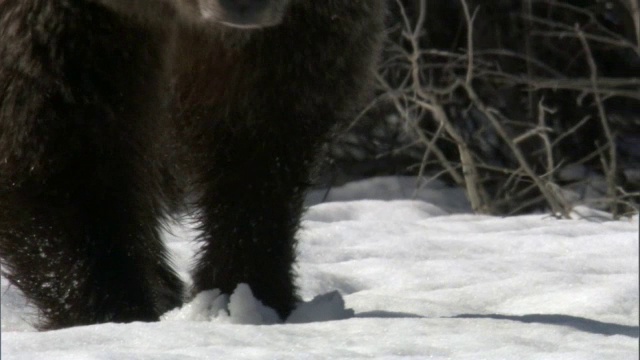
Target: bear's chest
point(205, 78)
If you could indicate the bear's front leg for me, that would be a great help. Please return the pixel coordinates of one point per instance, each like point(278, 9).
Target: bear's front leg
point(250, 204)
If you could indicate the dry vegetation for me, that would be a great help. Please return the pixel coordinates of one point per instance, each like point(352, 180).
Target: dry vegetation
point(528, 105)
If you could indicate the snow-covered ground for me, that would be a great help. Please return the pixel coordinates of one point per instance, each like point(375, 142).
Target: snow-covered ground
point(390, 277)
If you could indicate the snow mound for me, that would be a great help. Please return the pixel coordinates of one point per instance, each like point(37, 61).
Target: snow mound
point(388, 188)
point(373, 210)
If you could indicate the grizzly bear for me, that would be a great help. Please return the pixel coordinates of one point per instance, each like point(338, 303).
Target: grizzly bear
point(114, 112)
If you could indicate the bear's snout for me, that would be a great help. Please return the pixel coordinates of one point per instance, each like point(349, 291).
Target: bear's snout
point(244, 13)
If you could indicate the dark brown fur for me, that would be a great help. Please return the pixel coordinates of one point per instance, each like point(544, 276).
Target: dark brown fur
point(99, 107)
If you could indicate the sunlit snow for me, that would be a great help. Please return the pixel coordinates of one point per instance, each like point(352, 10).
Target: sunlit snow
point(389, 272)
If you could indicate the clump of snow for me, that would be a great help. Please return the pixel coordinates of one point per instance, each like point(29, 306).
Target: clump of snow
point(325, 307)
point(239, 308)
point(206, 306)
point(246, 309)
point(243, 308)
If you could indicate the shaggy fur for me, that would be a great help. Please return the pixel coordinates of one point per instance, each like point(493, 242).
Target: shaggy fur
point(103, 106)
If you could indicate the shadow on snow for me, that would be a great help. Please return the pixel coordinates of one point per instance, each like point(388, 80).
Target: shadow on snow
point(582, 324)
point(578, 323)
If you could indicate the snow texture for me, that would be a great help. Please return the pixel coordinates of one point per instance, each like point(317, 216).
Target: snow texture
point(403, 274)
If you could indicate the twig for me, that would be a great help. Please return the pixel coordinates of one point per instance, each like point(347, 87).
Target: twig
point(609, 164)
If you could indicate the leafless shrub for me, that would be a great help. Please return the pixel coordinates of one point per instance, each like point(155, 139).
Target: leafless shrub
point(517, 101)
